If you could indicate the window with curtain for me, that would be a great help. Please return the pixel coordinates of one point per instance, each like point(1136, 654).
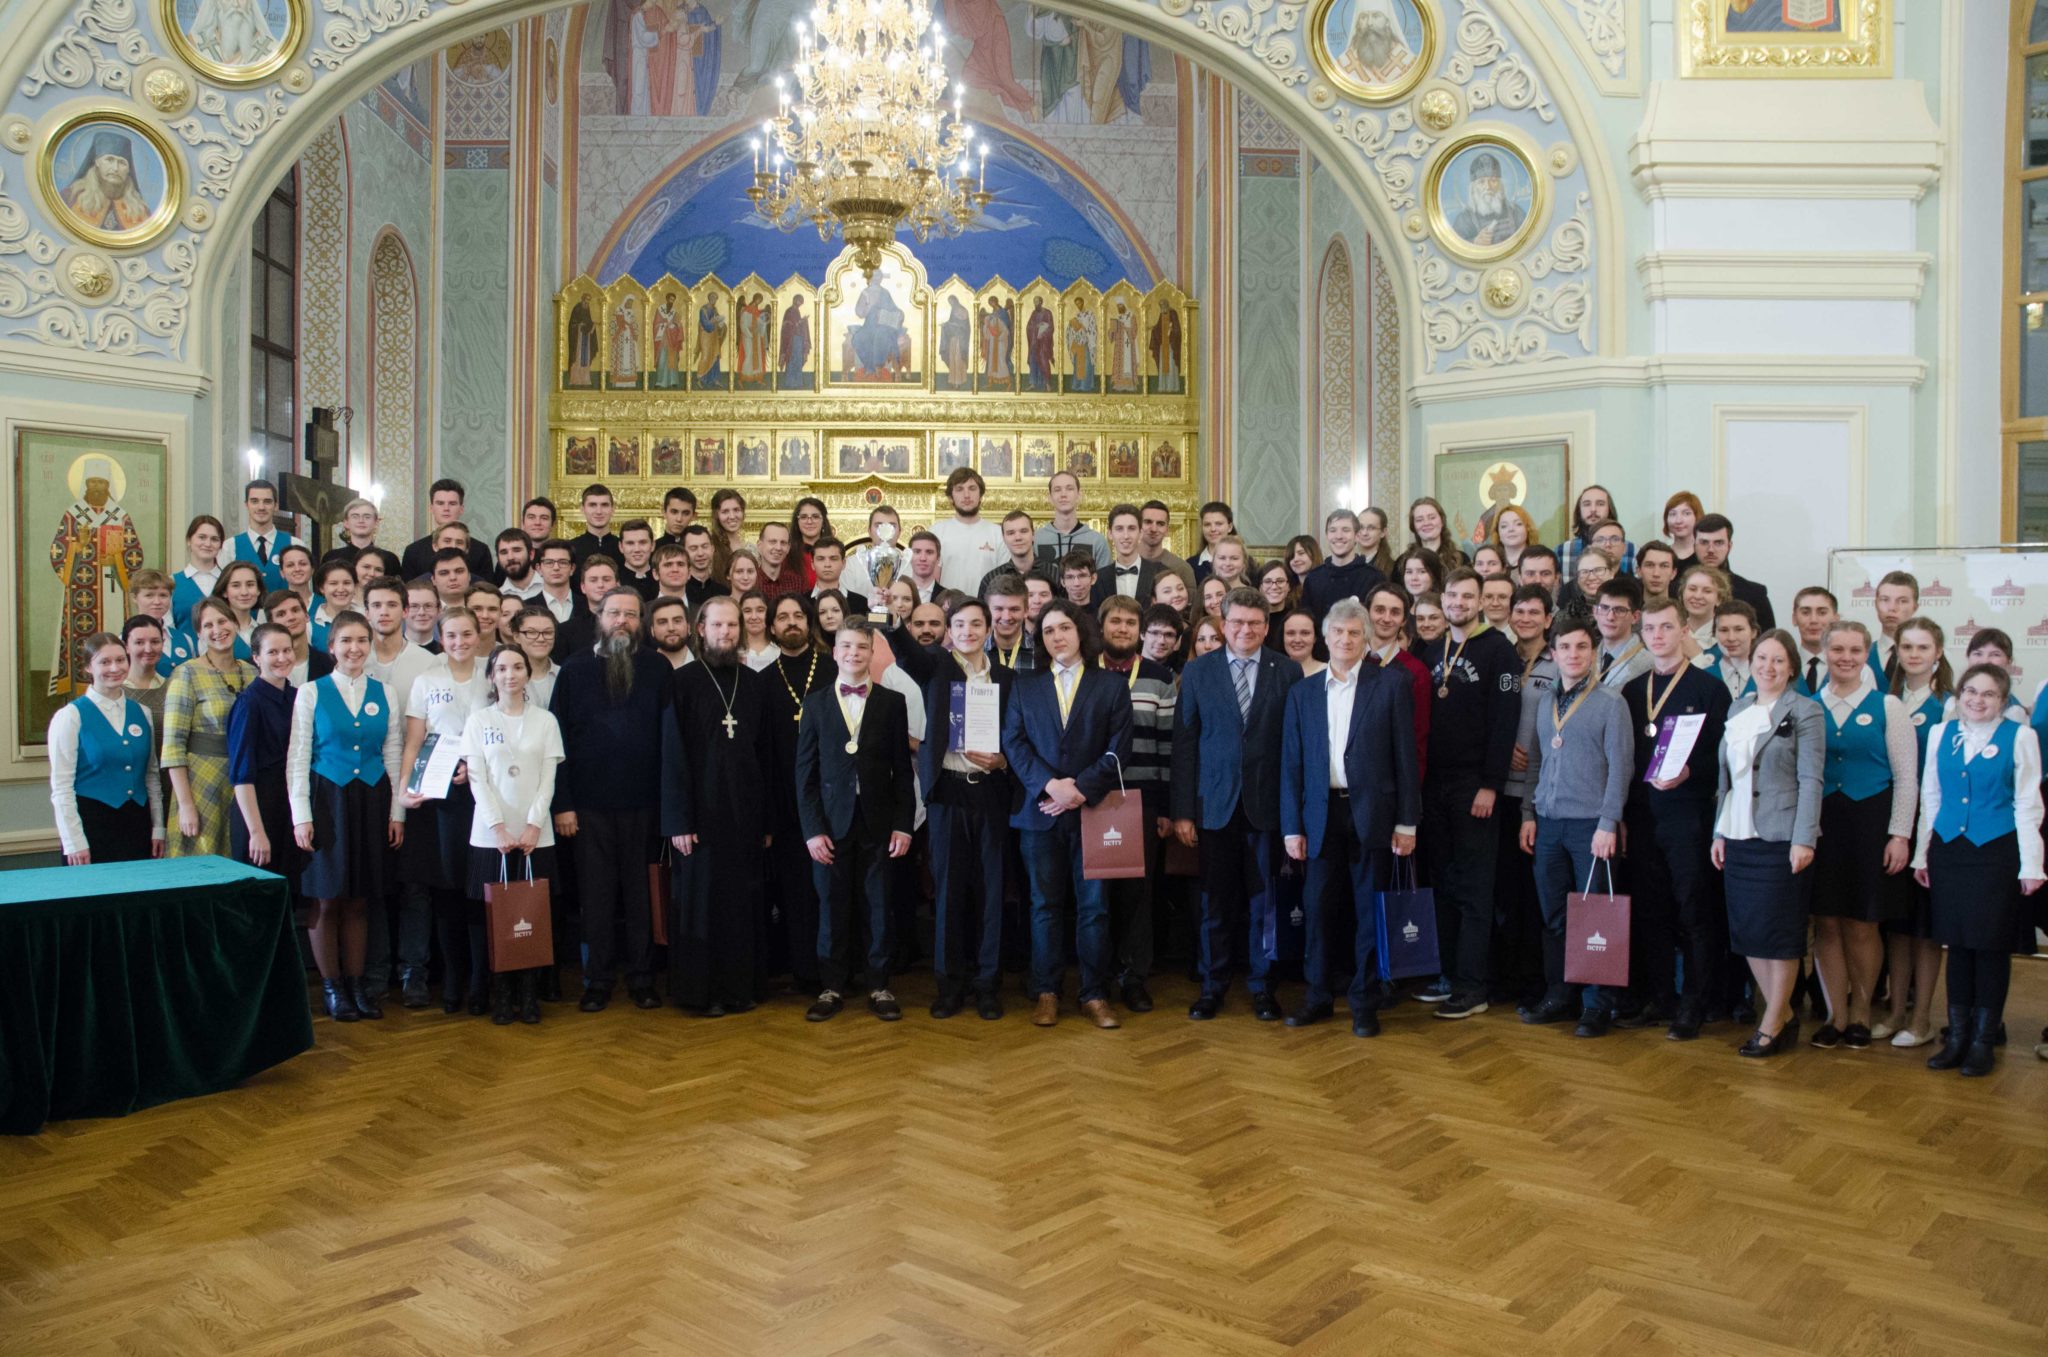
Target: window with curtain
point(274, 328)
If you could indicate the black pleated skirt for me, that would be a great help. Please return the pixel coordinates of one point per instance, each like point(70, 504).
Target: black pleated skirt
point(115, 833)
point(1976, 896)
point(436, 851)
point(1767, 902)
point(351, 827)
point(1849, 880)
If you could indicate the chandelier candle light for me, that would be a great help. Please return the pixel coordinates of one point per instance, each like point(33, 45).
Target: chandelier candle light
point(867, 143)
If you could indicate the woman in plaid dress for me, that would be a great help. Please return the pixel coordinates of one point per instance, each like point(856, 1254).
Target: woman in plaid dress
point(202, 692)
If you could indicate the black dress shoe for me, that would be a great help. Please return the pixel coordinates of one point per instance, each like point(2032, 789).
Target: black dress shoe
point(479, 1003)
point(988, 1007)
point(1549, 1011)
point(341, 1005)
point(1685, 1026)
point(451, 1001)
point(1594, 1022)
point(945, 1006)
point(413, 991)
point(1365, 1023)
point(366, 998)
point(1308, 1015)
point(1827, 1037)
point(1137, 998)
point(1205, 1008)
point(1856, 1036)
point(828, 1004)
point(594, 1000)
point(1265, 1007)
point(643, 996)
point(1649, 1015)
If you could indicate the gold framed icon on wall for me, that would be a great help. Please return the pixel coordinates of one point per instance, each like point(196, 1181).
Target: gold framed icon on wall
point(234, 42)
point(111, 179)
point(1786, 39)
point(1376, 51)
point(1484, 195)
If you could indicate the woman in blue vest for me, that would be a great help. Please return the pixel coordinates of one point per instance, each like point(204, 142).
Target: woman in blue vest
point(103, 779)
point(342, 765)
point(1922, 681)
point(204, 537)
point(1866, 833)
point(1979, 855)
point(259, 743)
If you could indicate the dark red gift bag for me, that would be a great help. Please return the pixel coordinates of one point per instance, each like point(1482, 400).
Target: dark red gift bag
point(1596, 936)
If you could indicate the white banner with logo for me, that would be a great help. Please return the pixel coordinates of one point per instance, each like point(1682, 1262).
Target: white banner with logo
point(1966, 590)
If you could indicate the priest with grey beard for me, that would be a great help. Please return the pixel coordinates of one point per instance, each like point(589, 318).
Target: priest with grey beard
point(717, 756)
point(610, 702)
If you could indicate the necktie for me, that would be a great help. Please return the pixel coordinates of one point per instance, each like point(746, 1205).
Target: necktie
point(1065, 681)
point(853, 690)
point(1813, 673)
point(1240, 673)
point(263, 550)
point(1372, 659)
point(1124, 570)
point(1606, 662)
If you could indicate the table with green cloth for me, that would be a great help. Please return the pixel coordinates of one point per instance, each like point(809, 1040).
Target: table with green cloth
point(128, 984)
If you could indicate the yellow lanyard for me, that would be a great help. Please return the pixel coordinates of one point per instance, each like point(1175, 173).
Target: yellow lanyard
point(1101, 663)
point(1656, 702)
point(1010, 660)
point(1561, 718)
point(1064, 684)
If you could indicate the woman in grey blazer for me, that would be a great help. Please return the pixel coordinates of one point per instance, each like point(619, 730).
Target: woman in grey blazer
point(1766, 822)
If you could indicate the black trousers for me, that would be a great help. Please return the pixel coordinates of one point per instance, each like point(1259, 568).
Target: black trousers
point(1342, 880)
point(858, 861)
point(611, 853)
point(970, 849)
point(1517, 959)
point(1239, 864)
point(1131, 912)
point(1460, 853)
point(1675, 902)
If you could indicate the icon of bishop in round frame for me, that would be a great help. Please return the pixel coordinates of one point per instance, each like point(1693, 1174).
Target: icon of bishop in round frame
point(111, 179)
point(1485, 196)
point(234, 42)
point(1376, 51)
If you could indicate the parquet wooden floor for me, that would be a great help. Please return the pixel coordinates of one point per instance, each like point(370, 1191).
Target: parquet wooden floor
point(650, 1183)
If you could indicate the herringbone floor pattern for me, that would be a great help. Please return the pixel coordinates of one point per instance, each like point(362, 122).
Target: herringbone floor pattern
point(649, 1183)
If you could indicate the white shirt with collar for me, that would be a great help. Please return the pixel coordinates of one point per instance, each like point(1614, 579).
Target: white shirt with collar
point(205, 579)
point(62, 751)
point(1739, 737)
point(1340, 696)
point(2026, 788)
point(525, 593)
point(1127, 585)
point(298, 760)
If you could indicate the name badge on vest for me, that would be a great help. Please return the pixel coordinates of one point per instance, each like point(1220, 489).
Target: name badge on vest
point(1864, 719)
point(1919, 718)
point(135, 732)
point(369, 709)
point(1990, 751)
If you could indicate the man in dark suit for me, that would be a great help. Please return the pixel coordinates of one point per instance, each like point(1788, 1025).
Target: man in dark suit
point(600, 576)
point(1713, 537)
point(1226, 789)
point(857, 802)
point(969, 798)
point(1066, 735)
point(1348, 785)
point(1128, 572)
point(444, 506)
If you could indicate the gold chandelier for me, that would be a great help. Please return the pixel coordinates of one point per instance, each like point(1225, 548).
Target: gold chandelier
point(867, 142)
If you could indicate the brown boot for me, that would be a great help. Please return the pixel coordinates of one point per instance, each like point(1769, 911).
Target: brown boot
point(1048, 1011)
point(1100, 1013)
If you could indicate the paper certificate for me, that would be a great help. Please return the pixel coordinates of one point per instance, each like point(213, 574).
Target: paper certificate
point(977, 723)
point(434, 769)
point(1674, 746)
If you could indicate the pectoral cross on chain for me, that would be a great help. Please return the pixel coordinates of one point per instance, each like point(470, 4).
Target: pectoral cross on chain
point(730, 725)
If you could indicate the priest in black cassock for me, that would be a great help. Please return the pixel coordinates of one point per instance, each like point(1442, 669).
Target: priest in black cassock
point(801, 667)
point(716, 774)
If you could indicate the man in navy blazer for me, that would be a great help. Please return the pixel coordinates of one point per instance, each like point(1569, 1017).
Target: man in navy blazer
point(1067, 735)
point(1350, 795)
point(856, 797)
point(1226, 793)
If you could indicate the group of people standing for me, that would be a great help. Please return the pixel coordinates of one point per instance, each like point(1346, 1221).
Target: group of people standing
point(769, 750)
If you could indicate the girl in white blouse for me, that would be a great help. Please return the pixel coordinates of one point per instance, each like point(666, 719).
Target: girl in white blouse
point(512, 748)
point(340, 767)
point(1979, 855)
point(437, 831)
point(103, 773)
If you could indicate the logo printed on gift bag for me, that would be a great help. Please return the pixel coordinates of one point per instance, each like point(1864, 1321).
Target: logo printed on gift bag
point(1596, 943)
point(1409, 932)
point(522, 929)
point(1112, 839)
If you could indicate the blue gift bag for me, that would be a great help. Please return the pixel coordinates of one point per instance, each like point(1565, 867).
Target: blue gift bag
point(1284, 923)
point(1404, 926)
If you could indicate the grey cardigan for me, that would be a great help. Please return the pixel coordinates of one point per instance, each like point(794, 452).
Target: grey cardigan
point(1787, 777)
